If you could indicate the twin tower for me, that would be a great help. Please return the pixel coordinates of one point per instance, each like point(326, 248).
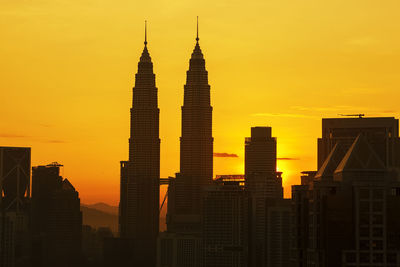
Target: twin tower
point(140, 175)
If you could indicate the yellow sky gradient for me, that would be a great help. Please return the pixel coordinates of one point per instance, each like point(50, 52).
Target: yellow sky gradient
point(67, 70)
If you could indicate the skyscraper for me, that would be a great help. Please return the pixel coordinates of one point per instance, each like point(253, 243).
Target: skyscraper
point(15, 164)
point(382, 134)
point(56, 218)
point(139, 203)
point(344, 213)
point(269, 214)
point(260, 163)
point(196, 158)
point(225, 226)
point(196, 150)
point(15, 172)
point(183, 236)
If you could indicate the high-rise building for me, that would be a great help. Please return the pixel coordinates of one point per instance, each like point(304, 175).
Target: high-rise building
point(344, 214)
point(260, 163)
point(196, 158)
point(382, 134)
point(14, 206)
point(15, 183)
point(56, 218)
point(179, 249)
point(260, 151)
point(196, 149)
point(225, 224)
point(300, 219)
point(269, 226)
point(278, 232)
point(139, 198)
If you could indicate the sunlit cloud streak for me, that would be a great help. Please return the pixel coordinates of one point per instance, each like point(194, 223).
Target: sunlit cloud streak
point(225, 155)
point(287, 158)
point(5, 135)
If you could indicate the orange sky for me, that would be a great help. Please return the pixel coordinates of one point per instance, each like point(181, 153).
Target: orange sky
point(67, 70)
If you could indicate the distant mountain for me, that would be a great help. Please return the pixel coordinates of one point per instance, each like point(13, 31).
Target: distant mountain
point(97, 218)
point(103, 207)
point(103, 215)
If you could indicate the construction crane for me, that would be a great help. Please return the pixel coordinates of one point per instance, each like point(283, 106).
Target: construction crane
point(352, 115)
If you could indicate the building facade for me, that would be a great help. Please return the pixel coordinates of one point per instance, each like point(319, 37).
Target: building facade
point(56, 219)
point(225, 225)
point(270, 215)
point(139, 192)
point(382, 134)
point(342, 215)
point(15, 184)
point(196, 150)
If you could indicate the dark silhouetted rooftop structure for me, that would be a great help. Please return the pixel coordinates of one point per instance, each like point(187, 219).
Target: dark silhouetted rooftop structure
point(196, 148)
point(15, 172)
point(345, 213)
point(139, 198)
point(382, 134)
point(56, 219)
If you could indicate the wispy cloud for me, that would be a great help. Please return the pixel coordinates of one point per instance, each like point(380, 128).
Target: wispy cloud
point(225, 155)
point(6, 135)
point(54, 141)
point(46, 125)
point(35, 139)
point(287, 158)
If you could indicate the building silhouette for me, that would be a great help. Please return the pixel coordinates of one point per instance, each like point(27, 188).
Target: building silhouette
point(225, 223)
point(270, 215)
point(139, 198)
point(344, 214)
point(56, 219)
point(183, 237)
point(382, 134)
point(260, 164)
point(14, 206)
point(196, 150)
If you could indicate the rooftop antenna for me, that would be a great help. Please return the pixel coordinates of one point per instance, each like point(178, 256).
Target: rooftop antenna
point(352, 115)
point(197, 35)
point(145, 33)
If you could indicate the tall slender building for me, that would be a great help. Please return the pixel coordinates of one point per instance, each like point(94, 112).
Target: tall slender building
point(184, 228)
point(56, 219)
point(197, 141)
point(196, 154)
point(139, 203)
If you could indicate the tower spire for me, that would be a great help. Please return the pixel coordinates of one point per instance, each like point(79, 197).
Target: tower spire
point(145, 33)
point(197, 35)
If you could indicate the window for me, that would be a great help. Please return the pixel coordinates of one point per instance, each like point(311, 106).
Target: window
point(364, 206)
point(377, 244)
point(377, 219)
point(364, 231)
point(364, 193)
point(377, 206)
point(350, 257)
point(377, 232)
point(364, 257)
point(378, 258)
point(364, 244)
point(377, 194)
point(364, 219)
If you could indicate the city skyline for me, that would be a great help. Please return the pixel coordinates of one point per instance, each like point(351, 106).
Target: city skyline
point(83, 119)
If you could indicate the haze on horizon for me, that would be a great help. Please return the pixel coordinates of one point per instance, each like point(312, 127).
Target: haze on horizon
point(68, 71)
